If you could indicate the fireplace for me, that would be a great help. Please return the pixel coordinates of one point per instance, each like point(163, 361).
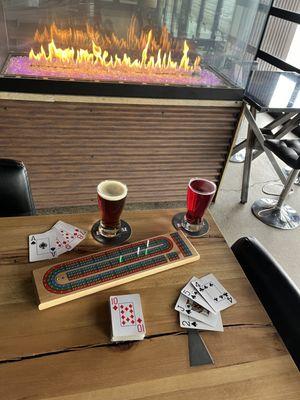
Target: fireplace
point(143, 91)
point(196, 49)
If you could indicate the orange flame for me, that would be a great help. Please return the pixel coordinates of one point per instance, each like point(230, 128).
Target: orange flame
point(98, 56)
point(71, 37)
point(91, 49)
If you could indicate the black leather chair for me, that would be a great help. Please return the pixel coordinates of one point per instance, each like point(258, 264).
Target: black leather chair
point(277, 292)
point(275, 212)
point(15, 193)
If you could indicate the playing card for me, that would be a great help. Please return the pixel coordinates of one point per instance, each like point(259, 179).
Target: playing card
point(42, 246)
point(191, 323)
point(194, 310)
point(213, 292)
point(193, 294)
point(127, 317)
point(71, 235)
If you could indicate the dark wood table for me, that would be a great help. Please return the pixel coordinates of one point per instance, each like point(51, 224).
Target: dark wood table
point(65, 352)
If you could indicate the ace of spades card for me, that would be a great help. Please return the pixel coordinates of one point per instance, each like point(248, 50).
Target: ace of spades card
point(42, 246)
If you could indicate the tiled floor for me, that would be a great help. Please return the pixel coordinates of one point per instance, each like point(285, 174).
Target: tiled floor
point(236, 220)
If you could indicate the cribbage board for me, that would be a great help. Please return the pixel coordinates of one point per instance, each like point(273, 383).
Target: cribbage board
point(82, 276)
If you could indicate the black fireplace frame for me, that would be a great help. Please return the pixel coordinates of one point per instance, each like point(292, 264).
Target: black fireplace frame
point(87, 88)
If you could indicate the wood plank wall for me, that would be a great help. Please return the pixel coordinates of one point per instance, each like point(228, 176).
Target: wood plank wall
point(69, 147)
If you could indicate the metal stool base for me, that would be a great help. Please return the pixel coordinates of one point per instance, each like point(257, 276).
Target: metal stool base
point(287, 171)
point(238, 157)
point(267, 212)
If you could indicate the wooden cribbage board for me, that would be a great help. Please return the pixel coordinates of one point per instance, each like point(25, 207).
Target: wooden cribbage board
point(82, 276)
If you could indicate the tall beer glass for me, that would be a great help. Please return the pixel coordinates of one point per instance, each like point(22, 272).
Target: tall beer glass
point(111, 201)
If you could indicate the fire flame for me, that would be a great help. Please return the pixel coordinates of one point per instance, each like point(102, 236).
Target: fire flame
point(72, 37)
point(100, 57)
point(154, 55)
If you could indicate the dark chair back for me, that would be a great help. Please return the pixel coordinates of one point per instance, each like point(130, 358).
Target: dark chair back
point(15, 193)
point(277, 292)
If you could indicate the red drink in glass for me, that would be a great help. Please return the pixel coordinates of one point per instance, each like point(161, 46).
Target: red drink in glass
point(199, 196)
point(111, 201)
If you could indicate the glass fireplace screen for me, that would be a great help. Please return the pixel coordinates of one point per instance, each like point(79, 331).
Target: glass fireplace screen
point(192, 43)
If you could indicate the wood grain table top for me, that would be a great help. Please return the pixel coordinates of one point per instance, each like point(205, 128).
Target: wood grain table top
point(65, 352)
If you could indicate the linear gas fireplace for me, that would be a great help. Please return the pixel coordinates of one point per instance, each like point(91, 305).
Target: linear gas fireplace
point(152, 48)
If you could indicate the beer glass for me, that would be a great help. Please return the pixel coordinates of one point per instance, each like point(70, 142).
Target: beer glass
point(200, 193)
point(111, 201)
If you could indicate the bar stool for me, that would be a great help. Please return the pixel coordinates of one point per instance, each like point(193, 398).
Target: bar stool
point(274, 212)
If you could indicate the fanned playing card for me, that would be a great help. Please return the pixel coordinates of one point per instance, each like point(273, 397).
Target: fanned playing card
point(127, 319)
point(71, 235)
point(192, 293)
point(194, 310)
point(191, 323)
point(213, 292)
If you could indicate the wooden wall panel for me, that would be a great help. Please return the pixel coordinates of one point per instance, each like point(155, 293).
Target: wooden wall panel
point(69, 147)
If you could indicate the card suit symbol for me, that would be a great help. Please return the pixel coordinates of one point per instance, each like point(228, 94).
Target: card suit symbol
point(188, 306)
point(127, 319)
point(122, 311)
point(43, 245)
point(221, 296)
point(123, 322)
point(205, 287)
point(188, 311)
point(123, 317)
point(75, 233)
point(52, 249)
point(215, 299)
point(132, 321)
point(122, 306)
point(76, 230)
point(130, 305)
point(115, 307)
point(194, 324)
point(33, 241)
point(211, 284)
point(126, 308)
point(139, 320)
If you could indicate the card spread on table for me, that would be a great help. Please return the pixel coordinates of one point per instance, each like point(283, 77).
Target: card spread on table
point(127, 319)
point(200, 304)
point(213, 292)
point(194, 310)
point(191, 323)
point(62, 237)
point(193, 294)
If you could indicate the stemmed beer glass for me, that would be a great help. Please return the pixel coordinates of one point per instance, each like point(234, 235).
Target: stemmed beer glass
point(200, 193)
